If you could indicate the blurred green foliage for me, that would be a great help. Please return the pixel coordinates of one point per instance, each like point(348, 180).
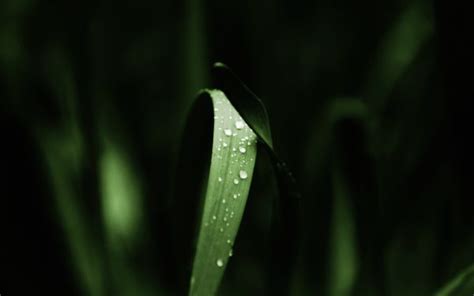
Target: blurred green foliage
point(369, 103)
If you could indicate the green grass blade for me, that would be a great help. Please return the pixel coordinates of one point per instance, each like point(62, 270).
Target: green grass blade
point(286, 208)
point(462, 284)
point(254, 113)
point(234, 151)
point(247, 103)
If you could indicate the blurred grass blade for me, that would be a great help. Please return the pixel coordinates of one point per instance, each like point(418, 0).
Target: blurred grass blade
point(121, 196)
point(123, 216)
point(286, 209)
point(325, 152)
point(462, 284)
point(398, 50)
point(233, 157)
point(343, 257)
point(86, 256)
point(64, 152)
point(319, 149)
point(193, 43)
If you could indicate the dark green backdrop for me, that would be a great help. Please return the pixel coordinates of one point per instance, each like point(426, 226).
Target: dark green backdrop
point(370, 103)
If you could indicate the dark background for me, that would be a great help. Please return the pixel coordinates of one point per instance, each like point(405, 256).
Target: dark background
point(370, 103)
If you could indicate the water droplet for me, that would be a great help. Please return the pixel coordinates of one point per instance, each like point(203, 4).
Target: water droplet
point(242, 149)
point(214, 217)
point(224, 144)
point(243, 174)
point(230, 253)
point(228, 132)
point(216, 109)
point(219, 179)
point(221, 230)
point(225, 218)
point(223, 201)
point(239, 124)
point(236, 181)
point(229, 241)
point(233, 149)
point(235, 196)
point(219, 262)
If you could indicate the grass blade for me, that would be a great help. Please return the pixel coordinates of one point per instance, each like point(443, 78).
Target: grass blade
point(247, 103)
point(286, 208)
point(462, 284)
point(233, 157)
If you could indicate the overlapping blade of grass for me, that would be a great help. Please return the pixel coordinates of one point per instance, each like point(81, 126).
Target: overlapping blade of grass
point(247, 103)
point(286, 208)
point(234, 151)
point(462, 284)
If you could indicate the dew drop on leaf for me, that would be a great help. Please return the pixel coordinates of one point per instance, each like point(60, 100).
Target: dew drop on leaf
point(219, 262)
point(228, 132)
point(242, 149)
point(239, 124)
point(243, 174)
point(236, 181)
